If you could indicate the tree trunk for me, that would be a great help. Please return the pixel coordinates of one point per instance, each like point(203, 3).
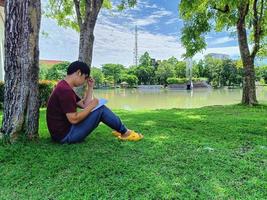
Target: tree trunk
point(249, 88)
point(21, 102)
point(87, 31)
point(86, 45)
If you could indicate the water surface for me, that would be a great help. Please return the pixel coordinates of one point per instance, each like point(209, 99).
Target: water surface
point(136, 99)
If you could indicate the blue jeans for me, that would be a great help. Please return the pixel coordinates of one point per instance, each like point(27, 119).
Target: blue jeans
point(80, 131)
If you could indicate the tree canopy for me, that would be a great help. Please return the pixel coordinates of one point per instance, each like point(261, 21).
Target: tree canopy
point(247, 17)
point(202, 17)
point(72, 13)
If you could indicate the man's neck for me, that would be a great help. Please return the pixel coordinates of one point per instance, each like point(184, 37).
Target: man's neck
point(68, 79)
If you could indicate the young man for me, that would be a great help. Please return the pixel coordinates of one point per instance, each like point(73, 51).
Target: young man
point(66, 124)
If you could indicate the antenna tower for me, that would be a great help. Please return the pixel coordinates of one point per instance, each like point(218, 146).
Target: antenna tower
point(136, 47)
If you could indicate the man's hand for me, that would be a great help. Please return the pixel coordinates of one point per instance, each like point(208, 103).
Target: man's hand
point(94, 102)
point(90, 82)
point(77, 117)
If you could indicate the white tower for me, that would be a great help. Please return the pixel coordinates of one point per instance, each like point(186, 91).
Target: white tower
point(136, 47)
point(189, 71)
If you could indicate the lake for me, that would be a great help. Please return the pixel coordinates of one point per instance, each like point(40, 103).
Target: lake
point(136, 99)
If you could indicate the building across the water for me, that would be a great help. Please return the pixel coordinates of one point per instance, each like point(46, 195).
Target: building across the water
point(218, 56)
point(50, 63)
point(2, 33)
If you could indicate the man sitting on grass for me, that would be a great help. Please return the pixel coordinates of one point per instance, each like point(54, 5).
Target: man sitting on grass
point(66, 124)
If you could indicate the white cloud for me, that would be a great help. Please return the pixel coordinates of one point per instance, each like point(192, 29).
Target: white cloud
point(147, 21)
point(114, 39)
point(152, 6)
point(116, 45)
point(172, 21)
point(60, 44)
point(162, 13)
point(152, 16)
point(222, 40)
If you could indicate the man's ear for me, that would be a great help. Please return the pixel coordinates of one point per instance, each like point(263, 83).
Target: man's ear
point(79, 72)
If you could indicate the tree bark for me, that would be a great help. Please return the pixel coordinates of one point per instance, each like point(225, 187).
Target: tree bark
point(87, 31)
point(21, 95)
point(249, 88)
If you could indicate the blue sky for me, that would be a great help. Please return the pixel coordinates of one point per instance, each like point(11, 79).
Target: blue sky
point(159, 31)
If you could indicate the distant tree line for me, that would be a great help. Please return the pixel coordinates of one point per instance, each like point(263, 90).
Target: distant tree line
point(216, 72)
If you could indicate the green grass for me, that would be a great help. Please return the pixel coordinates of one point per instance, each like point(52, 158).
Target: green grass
point(217, 152)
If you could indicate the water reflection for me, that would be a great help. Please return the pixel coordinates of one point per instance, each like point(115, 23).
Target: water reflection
point(134, 99)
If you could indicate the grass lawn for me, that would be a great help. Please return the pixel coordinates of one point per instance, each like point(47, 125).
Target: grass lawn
point(217, 152)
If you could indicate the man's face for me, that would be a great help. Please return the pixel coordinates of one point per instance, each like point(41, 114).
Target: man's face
point(80, 78)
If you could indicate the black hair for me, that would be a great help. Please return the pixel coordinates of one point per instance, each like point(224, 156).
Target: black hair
point(78, 65)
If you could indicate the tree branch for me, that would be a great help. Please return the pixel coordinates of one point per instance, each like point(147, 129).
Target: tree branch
point(88, 9)
point(246, 9)
point(241, 31)
point(78, 12)
point(55, 7)
point(99, 4)
point(261, 12)
point(59, 5)
point(257, 27)
point(92, 9)
point(243, 11)
point(226, 9)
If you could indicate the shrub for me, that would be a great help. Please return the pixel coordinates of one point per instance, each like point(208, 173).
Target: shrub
point(43, 73)
point(199, 79)
point(58, 71)
point(109, 81)
point(176, 80)
point(1, 94)
point(98, 76)
point(215, 84)
point(132, 80)
point(264, 76)
point(262, 81)
point(45, 89)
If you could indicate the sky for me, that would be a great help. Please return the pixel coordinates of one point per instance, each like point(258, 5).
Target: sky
point(159, 32)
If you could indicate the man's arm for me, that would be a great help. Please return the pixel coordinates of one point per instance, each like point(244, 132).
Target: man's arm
point(88, 96)
point(77, 117)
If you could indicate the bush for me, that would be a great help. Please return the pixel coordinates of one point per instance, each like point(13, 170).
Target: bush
point(177, 80)
point(215, 84)
point(264, 76)
point(43, 73)
point(1, 94)
point(98, 76)
point(262, 81)
point(184, 80)
point(109, 81)
point(45, 89)
point(132, 80)
point(199, 79)
point(57, 72)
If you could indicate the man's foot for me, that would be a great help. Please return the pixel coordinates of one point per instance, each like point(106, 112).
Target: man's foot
point(125, 135)
point(131, 136)
point(117, 134)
